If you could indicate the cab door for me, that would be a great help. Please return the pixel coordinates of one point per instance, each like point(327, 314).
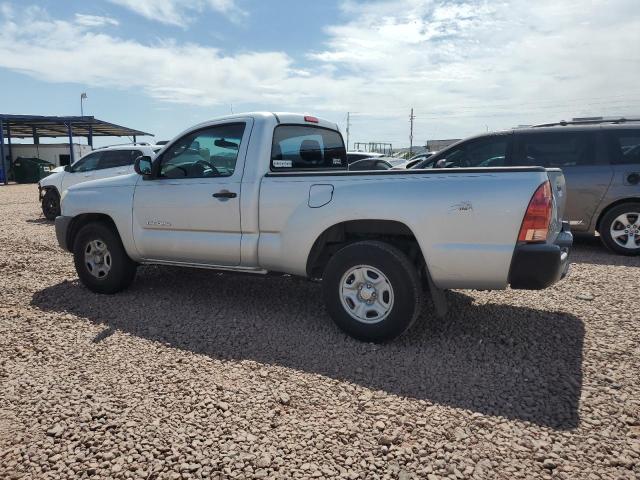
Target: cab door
point(189, 211)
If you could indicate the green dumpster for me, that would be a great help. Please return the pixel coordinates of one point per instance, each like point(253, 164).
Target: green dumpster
point(31, 170)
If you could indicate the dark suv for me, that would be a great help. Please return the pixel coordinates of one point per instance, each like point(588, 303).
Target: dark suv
point(600, 161)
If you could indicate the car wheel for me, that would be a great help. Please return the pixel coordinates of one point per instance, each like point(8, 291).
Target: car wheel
point(372, 291)
point(101, 261)
point(620, 229)
point(51, 204)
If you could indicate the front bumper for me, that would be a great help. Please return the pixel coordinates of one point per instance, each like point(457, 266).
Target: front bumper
point(62, 230)
point(537, 266)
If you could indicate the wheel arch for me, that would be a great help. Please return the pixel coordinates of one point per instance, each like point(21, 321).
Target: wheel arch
point(83, 219)
point(343, 233)
point(46, 188)
point(613, 205)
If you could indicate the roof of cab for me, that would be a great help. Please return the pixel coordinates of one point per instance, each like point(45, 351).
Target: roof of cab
point(280, 117)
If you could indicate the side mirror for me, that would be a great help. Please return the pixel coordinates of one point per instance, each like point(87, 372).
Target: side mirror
point(142, 165)
point(442, 163)
point(67, 168)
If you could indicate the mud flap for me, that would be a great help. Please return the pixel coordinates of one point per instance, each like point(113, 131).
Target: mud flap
point(438, 297)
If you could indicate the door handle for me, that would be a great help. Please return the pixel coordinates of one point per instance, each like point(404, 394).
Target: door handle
point(225, 194)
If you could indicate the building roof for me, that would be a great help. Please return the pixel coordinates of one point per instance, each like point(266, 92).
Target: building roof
point(22, 126)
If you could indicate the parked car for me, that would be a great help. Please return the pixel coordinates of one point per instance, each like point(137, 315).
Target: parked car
point(101, 163)
point(601, 164)
point(261, 192)
point(378, 163)
point(355, 156)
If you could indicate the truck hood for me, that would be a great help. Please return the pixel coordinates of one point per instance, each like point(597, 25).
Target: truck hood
point(118, 181)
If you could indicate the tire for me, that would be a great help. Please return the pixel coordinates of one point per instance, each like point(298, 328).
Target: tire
point(619, 236)
point(51, 204)
point(365, 310)
point(109, 272)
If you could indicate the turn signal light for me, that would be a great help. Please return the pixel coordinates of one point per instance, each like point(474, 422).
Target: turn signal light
point(535, 225)
point(308, 118)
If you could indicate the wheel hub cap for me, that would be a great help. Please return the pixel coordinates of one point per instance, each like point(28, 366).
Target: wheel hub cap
point(366, 294)
point(625, 230)
point(97, 258)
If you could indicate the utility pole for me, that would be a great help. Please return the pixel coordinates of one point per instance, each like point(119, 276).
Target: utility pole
point(348, 128)
point(83, 96)
point(411, 119)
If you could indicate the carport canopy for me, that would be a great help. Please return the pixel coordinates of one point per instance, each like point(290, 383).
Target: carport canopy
point(36, 126)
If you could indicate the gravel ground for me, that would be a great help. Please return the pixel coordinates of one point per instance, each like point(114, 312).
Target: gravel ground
point(196, 374)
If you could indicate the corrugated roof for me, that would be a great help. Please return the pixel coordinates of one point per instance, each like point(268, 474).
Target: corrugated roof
point(22, 126)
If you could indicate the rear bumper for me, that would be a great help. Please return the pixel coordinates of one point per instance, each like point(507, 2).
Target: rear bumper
point(62, 228)
point(537, 266)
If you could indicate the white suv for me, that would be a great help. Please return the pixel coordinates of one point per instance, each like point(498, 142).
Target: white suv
point(101, 163)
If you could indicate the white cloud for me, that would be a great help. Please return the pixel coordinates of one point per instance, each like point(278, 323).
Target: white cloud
point(62, 51)
point(95, 20)
point(180, 12)
point(461, 65)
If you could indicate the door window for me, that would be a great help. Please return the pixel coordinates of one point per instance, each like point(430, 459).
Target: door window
point(484, 152)
point(557, 149)
point(301, 147)
point(367, 164)
point(626, 146)
point(87, 163)
point(118, 158)
point(210, 152)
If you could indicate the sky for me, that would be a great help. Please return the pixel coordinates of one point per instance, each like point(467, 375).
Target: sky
point(464, 66)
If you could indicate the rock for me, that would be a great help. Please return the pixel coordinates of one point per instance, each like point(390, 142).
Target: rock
point(549, 464)
point(56, 431)
point(587, 296)
point(284, 398)
point(264, 460)
point(404, 475)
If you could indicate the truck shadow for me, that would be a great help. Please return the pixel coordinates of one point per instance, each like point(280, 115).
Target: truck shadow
point(495, 359)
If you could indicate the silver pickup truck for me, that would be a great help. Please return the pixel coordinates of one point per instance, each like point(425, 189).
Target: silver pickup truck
point(265, 192)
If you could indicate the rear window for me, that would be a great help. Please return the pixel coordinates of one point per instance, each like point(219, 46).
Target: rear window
point(561, 149)
point(302, 147)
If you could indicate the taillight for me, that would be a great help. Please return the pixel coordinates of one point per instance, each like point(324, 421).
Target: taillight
point(310, 119)
point(535, 226)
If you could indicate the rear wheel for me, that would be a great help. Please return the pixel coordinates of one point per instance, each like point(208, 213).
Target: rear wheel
point(101, 261)
point(51, 204)
point(620, 229)
point(372, 291)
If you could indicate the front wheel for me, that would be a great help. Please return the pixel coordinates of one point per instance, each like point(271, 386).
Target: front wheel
point(51, 204)
point(101, 261)
point(620, 229)
point(372, 291)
